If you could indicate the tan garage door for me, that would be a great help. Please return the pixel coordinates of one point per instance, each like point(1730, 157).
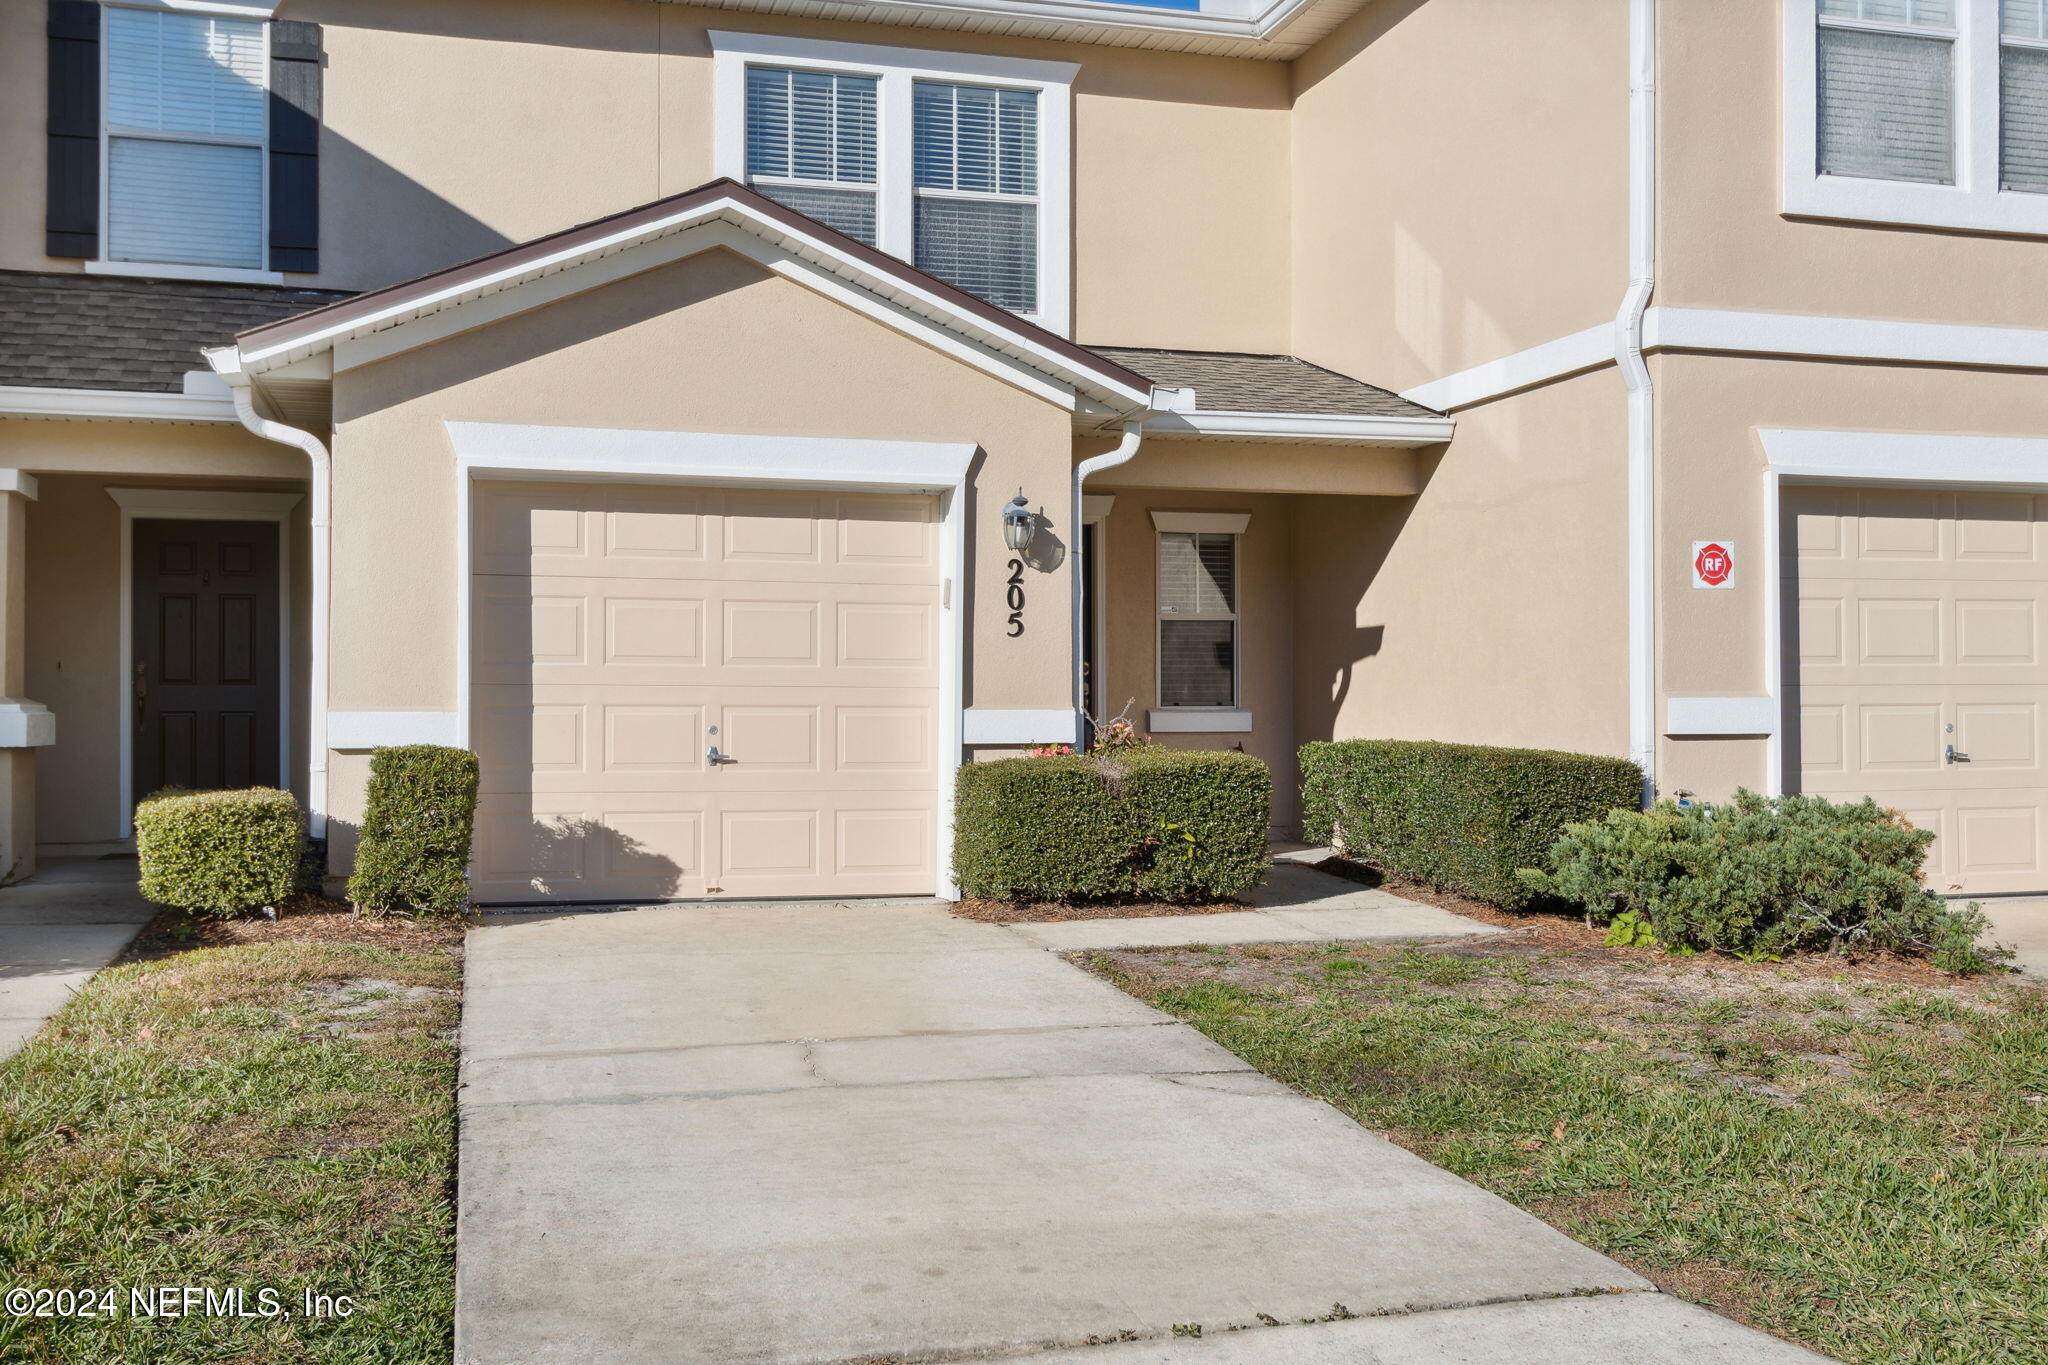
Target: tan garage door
point(1917, 631)
point(621, 632)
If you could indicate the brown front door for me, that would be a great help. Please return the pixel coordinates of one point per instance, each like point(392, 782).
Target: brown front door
point(205, 690)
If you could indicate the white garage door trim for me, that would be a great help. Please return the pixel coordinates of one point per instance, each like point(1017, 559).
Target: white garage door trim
point(493, 450)
point(1871, 458)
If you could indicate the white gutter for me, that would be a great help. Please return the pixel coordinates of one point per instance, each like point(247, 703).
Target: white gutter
point(1134, 433)
point(1635, 374)
point(226, 361)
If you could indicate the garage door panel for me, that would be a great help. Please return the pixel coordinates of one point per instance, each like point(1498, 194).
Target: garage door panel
point(1917, 616)
point(653, 632)
point(766, 535)
point(568, 738)
point(622, 632)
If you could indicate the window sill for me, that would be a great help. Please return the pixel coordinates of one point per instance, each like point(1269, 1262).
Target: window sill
point(215, 274)
point(1199, 720)
point(1911, 204)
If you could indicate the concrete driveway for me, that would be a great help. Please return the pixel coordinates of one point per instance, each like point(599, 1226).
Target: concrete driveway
point(876, 1132)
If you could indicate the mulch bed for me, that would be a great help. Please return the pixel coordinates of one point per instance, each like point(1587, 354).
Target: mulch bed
point(1045, 912)
point(302, 918)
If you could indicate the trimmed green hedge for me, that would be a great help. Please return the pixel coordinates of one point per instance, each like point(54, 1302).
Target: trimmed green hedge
point(1161, 824)
point(219, 853)
point(417, 823)
point(1461, 817)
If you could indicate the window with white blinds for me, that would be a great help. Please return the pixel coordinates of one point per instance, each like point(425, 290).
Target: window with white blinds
point(1197, 618)
point(1887, 89)
point(185, 110)
point(976, 159)
point(811, 138)
point(1894, 112)
point(955, 162)
point(2023, 95)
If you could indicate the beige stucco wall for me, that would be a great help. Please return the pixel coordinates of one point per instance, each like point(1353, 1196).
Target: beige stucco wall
point(74, 644)
point(1258, 466)
point(1265, 575)
point(1710, 471)
point(709, 344)
point(1459, 182)
point(1490, 607)
point(1723, 242)
point(195, 449)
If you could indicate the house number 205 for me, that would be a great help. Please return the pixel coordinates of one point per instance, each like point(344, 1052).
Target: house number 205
point(1016, 598)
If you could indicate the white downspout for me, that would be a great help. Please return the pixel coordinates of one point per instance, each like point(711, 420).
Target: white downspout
point(1134, 432)
point(227, 364)
point(1635, 375)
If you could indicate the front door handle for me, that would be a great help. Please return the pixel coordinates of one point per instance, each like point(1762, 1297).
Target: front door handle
point(1949, 755)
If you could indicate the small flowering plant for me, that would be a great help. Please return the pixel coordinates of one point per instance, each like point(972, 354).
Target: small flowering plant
point(1053, 751)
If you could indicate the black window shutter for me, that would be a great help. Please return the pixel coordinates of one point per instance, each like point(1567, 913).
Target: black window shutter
point(71, 208)
point(295, 62)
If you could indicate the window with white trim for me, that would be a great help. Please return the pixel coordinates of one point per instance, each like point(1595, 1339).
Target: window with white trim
point(185, 119)
point(1198, 643)
point(1928, 112)
point(957, 163)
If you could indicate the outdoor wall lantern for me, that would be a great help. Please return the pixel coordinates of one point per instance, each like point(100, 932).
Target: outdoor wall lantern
point(1018, 524)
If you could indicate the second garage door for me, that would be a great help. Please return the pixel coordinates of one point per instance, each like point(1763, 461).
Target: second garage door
point(1917, 671)
point(682, 692)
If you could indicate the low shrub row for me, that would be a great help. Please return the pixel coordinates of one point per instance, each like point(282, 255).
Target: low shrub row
point(226, 853)
point(1147, 822)
point(1460, 817)
point(1761, 877)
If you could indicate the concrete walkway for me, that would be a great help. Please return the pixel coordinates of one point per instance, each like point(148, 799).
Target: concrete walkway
point(1295, 904)
point(838, 1133)
point(56, 929)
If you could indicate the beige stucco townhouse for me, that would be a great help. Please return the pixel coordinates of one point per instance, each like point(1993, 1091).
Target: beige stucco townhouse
point(727, 418)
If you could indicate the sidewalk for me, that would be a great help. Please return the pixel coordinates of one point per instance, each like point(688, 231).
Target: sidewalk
point(58, 928)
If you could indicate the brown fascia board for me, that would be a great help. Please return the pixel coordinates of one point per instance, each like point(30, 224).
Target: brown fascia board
point(363, 305)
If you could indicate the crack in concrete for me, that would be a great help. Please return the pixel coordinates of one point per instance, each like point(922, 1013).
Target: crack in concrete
point(1161, 1022)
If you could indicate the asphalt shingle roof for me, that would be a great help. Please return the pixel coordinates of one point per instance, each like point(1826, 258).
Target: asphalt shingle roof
point(68, 331)
point(1233, 381)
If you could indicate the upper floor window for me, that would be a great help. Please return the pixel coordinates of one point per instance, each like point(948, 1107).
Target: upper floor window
point(1928, 112)
point(185, 123)
point(957, 163)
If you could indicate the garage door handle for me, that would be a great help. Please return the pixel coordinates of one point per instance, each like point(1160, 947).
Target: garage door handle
point(714, 758)
point(1950, 755)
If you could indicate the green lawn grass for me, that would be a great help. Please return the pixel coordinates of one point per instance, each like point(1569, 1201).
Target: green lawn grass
point(279, 1115)
point(1855, 1165)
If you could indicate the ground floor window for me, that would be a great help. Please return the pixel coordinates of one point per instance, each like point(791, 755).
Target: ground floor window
point(1198, 615)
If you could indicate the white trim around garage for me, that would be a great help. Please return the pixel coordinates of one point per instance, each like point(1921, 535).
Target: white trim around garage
point(1869, 457)
point(182, 504)
point(488, 450)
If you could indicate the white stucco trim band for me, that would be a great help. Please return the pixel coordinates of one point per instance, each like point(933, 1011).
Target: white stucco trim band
point(1734, 331)
point(1199, 720)
point(26, 725)
point(991, 725)
point(359, 730)
point(1691, 716)
point(492, 450)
